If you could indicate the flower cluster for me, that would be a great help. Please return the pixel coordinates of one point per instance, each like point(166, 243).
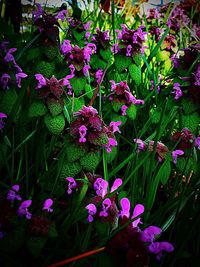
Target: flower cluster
point(101, 39)
point(177, 18)
point(53, 88)
point(78, 57)
point(108, 207)
point(130, 41)
point(10, 72)
point(89, 128)
point(120, 93)
point(161, 149)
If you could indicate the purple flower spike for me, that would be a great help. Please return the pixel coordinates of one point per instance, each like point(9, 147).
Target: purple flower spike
point(9, 57)
point(66, 47)
point(92, 210)
point(158, 247)
point(12, 193)
point(125, 205)
point(123, 109)
point(138, 210)
point(5, 78)
point(175, 154)
point(99, 75)
point(2, 123)
point(86, 69)
point(19, 76)
point(117, 183)
point(39, 12)
point(177, 91)
point(41, 80)
point(114, 126)
point(72, 184)
point(140, 143)
point(148, 235)
point(23, 209)
point(101, 187)
point(197, 142)
point(62, 15)
point(111, 143)
point(128, 50)
point(88, 51)
point(105, 205)
point(47, 205)
point(82, 132)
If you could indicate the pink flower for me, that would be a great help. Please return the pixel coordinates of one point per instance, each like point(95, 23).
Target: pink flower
point(19, 76)
point(125, 211)
point(66, 47)
point(71, 184)
point(92, 210)
point(99, 75)
point(47, 205)
point(114, 126)
point(13, 193)
point(23, 209)
point(105, 207)
point(86, 69)
point(41, 81)
point(111, 143)
point(175, 154)
point(82, 132)
point(123, 109)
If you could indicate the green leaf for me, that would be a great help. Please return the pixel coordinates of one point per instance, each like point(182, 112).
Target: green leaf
point(165, 172)
point(135, 72)
point(52, 231)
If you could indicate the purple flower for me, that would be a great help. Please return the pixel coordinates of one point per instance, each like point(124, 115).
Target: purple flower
point(149, 234)
point(9, 57)
point(115, 49)
point(105, 207)
point(197, 142)
point(19, 76)
point(125, 211)
point(123, 109)
point(82, 132)
point(177, 91)
point(117, 183)
point(111, 143)
point(87, 25)
point(47, 205)
point(92, 210)
point(101, 186)
point(23, 209)
point(5, 78)
point(71, 184)
point(175, 61)
point(158, 247)
point(86, 69)
point(88, 51)
point(2, 123)
point(128, 50)
point(87, 112)
point(99, 75)
point(38, 13)
point(66, 47)
point(62, 15)
point(13, 193)
point(41, 81)
point(87, 35)
point(175, 154)
point(140, 143)
point(114, 126)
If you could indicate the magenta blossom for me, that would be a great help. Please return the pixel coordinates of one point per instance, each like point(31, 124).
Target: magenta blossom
point(114, 125)
point(197, 142)
point(47, 205)
point(38, 13)
point(140, 143)
point(159, 247)
point(125, 211)
point(2, 123)
point(149, 234)
point(111, 143)
point(13, 193)
point(41, 81)
point(105, 207)
point(92, 210)
point(23, 209)
point(82, 132)
point(123, 109)
point(71, 184)
point(19, 76)
point(175, 154)
point(86, 69)
point(62, 15)
point(66, 47)
point(101, 186)
point(177, 91)
point(99, 76)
